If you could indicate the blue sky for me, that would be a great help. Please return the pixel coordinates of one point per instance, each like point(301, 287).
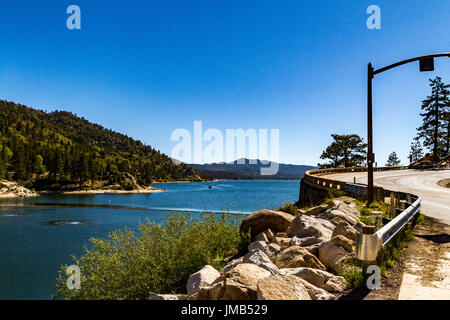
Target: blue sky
point(146, 68)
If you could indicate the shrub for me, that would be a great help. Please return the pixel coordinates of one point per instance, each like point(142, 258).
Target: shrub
point(335, 193)
point(353, 275)
point(159, 258)
point(288, 207)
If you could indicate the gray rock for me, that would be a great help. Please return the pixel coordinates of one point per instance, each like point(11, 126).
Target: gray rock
point(307, 226)
point(201, 279)
point(306, 241)
point(261, 237)
point(272, 250)
point(314, 276)
point(259, 258)
point(336, 284)
point(260, 245)
point(232, 264)
point(344, 229)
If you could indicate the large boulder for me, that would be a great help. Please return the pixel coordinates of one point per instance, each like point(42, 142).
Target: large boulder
point(344, 229)
point(259, 221)
point(278, 287)
point(259, 258)
point(241, 282)
point(332, 256)
point(296, 256)
point(342, 241)
point(343, 211)
point(203, 278)
point(316, 277)
point(307, 226)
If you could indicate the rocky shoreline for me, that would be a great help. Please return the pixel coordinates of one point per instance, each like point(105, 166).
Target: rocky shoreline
point(9, 189)
point(290, 257)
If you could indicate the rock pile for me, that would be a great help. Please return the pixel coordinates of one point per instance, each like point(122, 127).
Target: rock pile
point(290, 258)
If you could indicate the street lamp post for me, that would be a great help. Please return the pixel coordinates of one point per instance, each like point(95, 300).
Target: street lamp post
point(426, 64)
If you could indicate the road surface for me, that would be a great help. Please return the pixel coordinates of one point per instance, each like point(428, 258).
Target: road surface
point(435, 198)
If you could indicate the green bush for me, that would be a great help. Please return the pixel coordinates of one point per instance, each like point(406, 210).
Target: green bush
point(159, 258)
point(335, 193)
point(289, 207)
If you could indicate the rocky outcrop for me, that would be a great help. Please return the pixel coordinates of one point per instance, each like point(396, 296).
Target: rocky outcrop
point(201, 279)
point(262, 220)
point(297, 258)
point(279, 287)
point(9, 189)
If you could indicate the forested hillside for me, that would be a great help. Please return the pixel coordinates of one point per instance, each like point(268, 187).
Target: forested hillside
point(54, 150)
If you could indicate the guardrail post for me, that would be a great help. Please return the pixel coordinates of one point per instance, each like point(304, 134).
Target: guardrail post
point(367, 230)
point(392, 204)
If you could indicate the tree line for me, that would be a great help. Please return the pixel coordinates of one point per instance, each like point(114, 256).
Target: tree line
point(42, 149)
point(433, 135)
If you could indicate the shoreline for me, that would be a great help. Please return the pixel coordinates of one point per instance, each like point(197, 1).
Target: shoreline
point(102, 191)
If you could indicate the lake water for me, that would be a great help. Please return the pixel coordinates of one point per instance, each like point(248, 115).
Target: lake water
point(38, 235)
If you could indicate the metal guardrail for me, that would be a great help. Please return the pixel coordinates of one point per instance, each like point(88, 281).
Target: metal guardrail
point(367, 246)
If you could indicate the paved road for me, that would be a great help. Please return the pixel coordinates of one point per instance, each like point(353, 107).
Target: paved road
point(435, 199)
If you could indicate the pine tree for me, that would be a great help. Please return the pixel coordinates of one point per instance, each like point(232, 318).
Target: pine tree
point(431, 131)
point(416, 151)
point(345, 151)
point(393, 160)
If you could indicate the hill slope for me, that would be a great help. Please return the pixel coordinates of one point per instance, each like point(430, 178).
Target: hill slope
point(251, 171)
point(59, 150)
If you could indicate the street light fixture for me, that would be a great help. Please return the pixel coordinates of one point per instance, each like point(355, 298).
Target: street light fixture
point(426, 63)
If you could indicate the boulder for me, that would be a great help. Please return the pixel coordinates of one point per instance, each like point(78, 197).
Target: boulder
point(342, 241)
point(316, 277)
point(233, 263)
point(316, 293)
point(260, 245)
point(304, 242)
point(203, 278)
point(313, 249)
point(307, 226)
point(269, 234)
point(261, 237)
point(316, 210)
point(278, 287)
point(262, 220)
point(332, 256)
point(296, 256)
point(272, 250)
point(259, 258)
point(241, 282)
point(343, 211)
point(282, 242)
point(213, 292)
point(336, 284)
point(344, 229)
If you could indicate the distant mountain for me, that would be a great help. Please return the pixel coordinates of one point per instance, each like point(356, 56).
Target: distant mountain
point(59, 150)
point(246, 170)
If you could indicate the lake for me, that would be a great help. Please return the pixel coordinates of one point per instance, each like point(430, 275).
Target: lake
point(38, 235)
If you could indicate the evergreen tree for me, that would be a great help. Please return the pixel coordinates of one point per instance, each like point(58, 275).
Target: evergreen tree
point(416, 151)
point(434, 107)
point(345, 151)
point(393, 160)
